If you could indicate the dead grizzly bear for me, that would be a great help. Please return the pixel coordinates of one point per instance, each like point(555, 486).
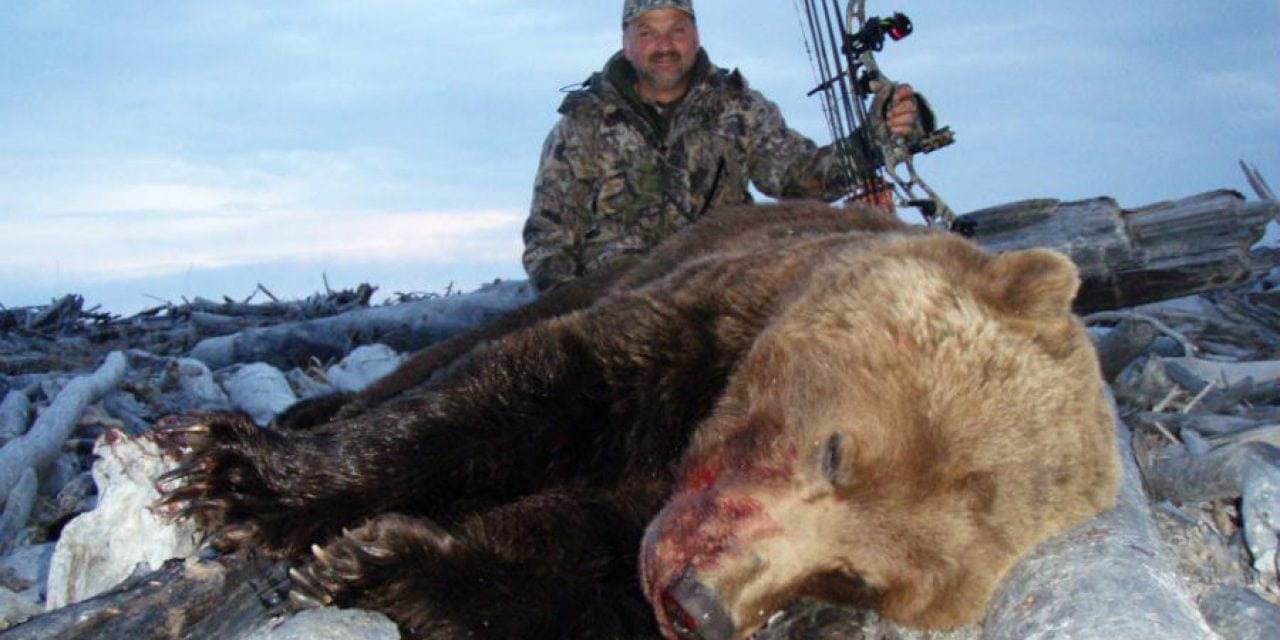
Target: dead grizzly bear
point(861, 411)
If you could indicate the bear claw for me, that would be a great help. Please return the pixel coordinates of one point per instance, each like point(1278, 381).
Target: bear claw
point(182, 494)
point(307, 593)
point(184, 471)
point(232, 535)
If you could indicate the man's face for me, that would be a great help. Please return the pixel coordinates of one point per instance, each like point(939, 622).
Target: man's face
point(662, 45)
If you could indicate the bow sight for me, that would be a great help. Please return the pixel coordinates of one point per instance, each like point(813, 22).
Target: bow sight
point(872, 34)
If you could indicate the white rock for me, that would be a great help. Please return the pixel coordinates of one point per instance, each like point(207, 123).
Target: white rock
point(196, 381)
point(332, 624)
point(259, 390)
point(99, 549)
point(362, 366)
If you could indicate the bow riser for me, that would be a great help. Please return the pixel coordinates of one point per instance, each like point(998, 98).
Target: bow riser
point(853, 85)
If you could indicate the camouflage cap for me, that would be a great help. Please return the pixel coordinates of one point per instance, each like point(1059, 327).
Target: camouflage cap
point(633, 8)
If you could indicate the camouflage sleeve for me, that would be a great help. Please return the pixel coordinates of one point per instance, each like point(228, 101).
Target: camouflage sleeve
point(785, 164)
point(560, 198)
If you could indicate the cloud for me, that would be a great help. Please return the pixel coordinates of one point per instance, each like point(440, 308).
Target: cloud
point(141, 137)
point(133, 217)
point(95, 248)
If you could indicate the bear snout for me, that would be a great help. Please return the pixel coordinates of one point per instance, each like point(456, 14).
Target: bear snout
point(696, 541)
point(693, 611)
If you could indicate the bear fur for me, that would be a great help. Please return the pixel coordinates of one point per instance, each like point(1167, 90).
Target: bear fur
point(779, 402)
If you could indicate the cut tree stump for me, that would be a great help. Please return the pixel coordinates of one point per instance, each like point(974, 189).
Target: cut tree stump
point(1135, 256)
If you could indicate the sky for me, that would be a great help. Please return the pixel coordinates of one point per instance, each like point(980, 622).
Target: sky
point(152, 152)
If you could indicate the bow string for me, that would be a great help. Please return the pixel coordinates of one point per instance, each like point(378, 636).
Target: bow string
point(856, 96)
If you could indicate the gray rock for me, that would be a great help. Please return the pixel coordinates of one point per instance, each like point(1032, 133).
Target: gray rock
point(260, 390)
point(15, 608)
point(15, 410)
point(197, 384)
point(1240, 614)
point(331, 623)
point(27, 569)
point(306, 386)
point(362, 366)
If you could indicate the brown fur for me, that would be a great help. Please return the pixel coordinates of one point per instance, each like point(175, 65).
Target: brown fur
point(867, 412)
point(969, 413)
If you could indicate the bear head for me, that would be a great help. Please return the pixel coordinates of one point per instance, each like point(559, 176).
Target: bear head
point(917, 417)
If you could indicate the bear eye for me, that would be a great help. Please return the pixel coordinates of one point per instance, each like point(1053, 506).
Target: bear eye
point(831, 458)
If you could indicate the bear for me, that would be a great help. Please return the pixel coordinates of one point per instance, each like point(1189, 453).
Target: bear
point(781, 401)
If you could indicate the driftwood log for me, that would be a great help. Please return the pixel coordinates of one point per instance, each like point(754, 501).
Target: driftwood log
point(39, 447)
point(1068, 587)
point(183, 599)
point(404, 327)
point(1126, 257)
point(1129, 257)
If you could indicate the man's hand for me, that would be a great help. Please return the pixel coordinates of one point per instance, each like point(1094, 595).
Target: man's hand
point(903, 112)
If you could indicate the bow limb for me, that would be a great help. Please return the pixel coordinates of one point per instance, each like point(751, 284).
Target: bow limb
point(897, 150)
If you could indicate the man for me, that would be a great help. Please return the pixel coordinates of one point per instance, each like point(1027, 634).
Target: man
point(659, 137)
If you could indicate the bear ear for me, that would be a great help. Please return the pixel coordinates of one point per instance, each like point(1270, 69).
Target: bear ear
point(1033, 282)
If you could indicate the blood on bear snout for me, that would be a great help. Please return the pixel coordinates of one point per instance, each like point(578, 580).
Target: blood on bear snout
point(716, 518)
point(694, 534)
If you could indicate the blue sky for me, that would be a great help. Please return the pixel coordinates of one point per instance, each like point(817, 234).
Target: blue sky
point(153, 151)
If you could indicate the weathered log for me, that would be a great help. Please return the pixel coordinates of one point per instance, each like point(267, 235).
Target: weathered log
point(223, 599)
point(330, 303)
point(15, 409)
point(1247, 470)
point(1124, 343)
point(182, 599)
point(1240, 614)
point(1209, 425)
point(1133, 256)
point(17, 508)
point(1268, 433)
point(1126, 257)
point(40, 446)
point(214, 324)
point(404, 327)
point(1108, 578)
point(1220, 473)
point(63, 311)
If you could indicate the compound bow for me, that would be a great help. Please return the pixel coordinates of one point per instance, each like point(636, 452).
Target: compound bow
point(856, 95)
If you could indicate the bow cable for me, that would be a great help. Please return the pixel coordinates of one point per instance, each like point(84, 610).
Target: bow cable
point(855, 97)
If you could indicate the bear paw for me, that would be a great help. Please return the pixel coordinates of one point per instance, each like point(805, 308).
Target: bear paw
point(389, 564)
point(217, 481)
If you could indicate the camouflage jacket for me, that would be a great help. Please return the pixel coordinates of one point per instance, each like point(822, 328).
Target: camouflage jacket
point(617, 177)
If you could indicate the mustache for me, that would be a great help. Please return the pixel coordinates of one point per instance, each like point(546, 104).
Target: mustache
point(668, 56)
